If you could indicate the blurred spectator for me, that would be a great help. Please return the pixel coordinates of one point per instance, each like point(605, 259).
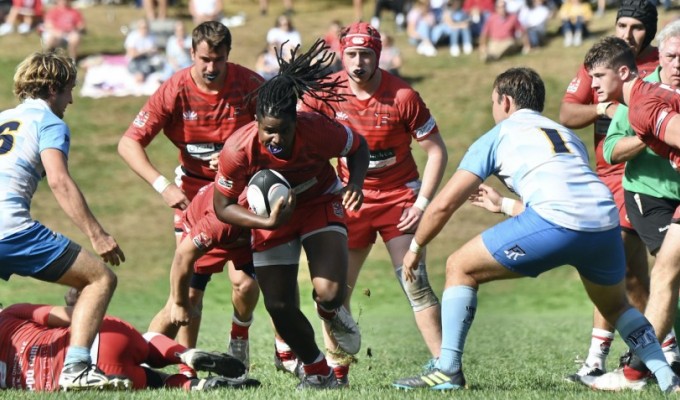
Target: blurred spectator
point(288, 4)
point(514, 6)
point(419, 25)
point(177, 51)
point(63, 27)
point(332, 39)
point(206, 10)
point(266, 64)
point(479, 11)
point(141, 52)
point(390, 56)
point(534, 18)
point(500, 33)
point(358, 9)
point(575, 16)
point(30, 13)
point(456, 25)
point(396, 6)
point(155, 9)
point(285, 33)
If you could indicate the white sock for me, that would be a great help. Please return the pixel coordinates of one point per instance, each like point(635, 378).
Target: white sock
point(281, 346)
point(600, 342)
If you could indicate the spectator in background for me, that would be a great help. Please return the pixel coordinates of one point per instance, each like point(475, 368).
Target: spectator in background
point(500, 33)
point(155, 9)
point(206, 10)
point(30, 11)
point(288, 4)
point(479, 11)
point(515, 6)
point(397, 6)
point(63, 26)
point(266, 64)
point(141, 51)
point(456, 24)
point(332, 39)
point(284, 33)
point(390, 56)
point(419, 25)
point(177, 50)
point(575, 16)
point(534, 18)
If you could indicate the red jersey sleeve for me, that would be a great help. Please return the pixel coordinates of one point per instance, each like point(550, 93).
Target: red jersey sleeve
point(154, 115)
point(235, 165)
point(31, 312)
point(416, 115)
point(579, 90)
point(651, 108)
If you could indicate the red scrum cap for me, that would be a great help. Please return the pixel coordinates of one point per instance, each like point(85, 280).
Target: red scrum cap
point(361, 34)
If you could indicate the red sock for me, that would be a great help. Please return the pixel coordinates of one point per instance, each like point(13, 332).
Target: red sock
point(187, 371)
point(162, 350)
point(633, 374)
point(341, 371)
point(239, 331)
point(318, 368)
point(325, 314)
point(177, 381)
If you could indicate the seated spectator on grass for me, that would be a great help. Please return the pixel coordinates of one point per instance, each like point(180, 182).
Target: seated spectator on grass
point(30, 13)
point(141, 52)
point(177, 50)
point(155, 9)
point(500, 33)
point(63, 27)
point(266, 64)
point(456, 25)
point(206, 10)
point(479, 11)
point(390, 56)
point(575, 16)
point(534, 18)
point(419, 25)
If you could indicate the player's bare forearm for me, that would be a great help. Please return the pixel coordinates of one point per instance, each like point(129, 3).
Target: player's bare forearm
point(437, 157)
point(134, 155)
point(576, 116)
point(357, 164)
point(626, 148)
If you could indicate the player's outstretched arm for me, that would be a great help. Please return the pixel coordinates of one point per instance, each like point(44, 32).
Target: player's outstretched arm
point(72, 201)
point(135, 157)
point(357, 163)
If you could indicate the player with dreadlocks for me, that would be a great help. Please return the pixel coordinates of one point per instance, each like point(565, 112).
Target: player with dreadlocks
point(299, 145)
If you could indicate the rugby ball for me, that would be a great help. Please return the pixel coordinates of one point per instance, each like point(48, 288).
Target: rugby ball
point(265, 188)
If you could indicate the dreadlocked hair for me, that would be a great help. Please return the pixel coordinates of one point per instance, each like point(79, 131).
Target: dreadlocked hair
point(300, 75)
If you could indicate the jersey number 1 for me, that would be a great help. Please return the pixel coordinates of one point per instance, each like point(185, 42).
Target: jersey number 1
point(556, 139)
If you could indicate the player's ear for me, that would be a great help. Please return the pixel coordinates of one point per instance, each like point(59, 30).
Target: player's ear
point(624, 72)
point(507, 103)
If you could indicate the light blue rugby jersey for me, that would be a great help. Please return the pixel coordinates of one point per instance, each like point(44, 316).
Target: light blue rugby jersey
point(25, 131)
point(547, 165)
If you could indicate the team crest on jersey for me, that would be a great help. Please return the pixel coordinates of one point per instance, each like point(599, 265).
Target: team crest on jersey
point(224, 182)
point(573, 85)
point(190, 115)
point(341, 116)
point(140, 119)
point(202, 241)
point(337, 209)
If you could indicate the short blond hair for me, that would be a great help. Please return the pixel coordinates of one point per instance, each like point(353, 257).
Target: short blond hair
point(42, 71)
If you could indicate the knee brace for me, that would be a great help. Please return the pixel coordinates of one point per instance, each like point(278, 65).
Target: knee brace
point(419, 292)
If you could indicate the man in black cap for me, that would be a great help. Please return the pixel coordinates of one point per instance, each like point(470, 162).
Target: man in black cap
point(636, 23)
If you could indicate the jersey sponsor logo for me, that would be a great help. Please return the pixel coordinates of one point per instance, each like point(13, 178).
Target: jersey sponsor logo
point(664, 228)
point(224, 182)
point(202, 241)
point(140, 119)
point(573, 85)
point(203, 151)
point(381, 159)
point(382, 119)
point(427, 127)
point(514, 253)
point(190, 115)
point(342, 116)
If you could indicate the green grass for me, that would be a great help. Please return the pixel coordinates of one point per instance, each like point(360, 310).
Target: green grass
point(526, 333)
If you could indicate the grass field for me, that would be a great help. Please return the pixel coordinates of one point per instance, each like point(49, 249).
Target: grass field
point(526, 333)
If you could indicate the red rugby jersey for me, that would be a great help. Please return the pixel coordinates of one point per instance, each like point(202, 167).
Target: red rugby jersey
point(651, 106)
point(388, 120)
point(317, 140)
point(580, 91)
point(197, 123)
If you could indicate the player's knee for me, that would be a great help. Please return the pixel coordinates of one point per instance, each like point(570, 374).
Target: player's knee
point(419, 292)
point(246, 288)
point(278, 307)
point(332, 297)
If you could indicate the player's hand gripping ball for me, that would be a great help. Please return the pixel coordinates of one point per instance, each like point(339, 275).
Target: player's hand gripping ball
point(265, 188)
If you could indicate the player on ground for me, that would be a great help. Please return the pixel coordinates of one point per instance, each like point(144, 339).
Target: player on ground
point(569, 218)
point(299, 146)
point(197, 109)
point(389, 114)
point(35, 142)
point(33, 339)
point(636, 23)
point(653, 110)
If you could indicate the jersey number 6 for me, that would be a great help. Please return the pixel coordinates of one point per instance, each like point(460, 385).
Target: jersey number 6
point(7, 136)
